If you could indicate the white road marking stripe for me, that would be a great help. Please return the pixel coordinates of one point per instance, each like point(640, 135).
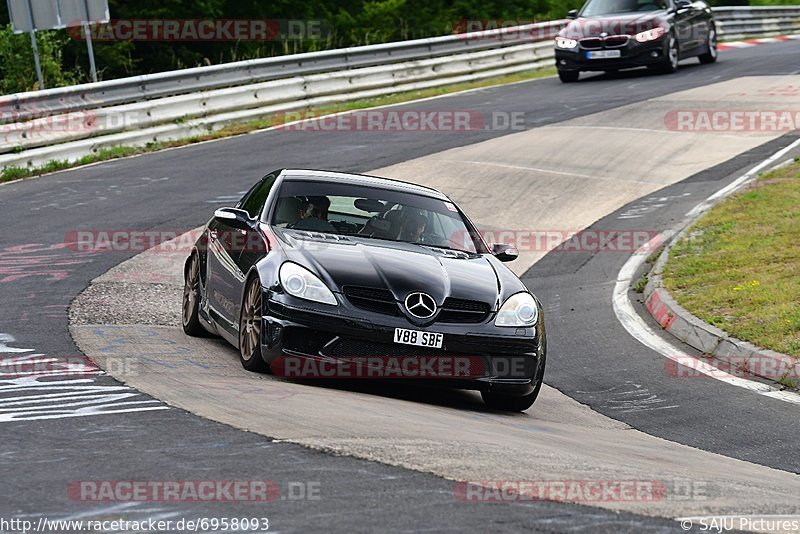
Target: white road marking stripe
point(636, 327)
point(10, 418)
point(70, 397)
point(739, 182)
point(85, 399)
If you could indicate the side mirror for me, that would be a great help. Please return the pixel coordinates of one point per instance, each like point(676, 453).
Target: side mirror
point(505, 252)
point(572, 14)
point(234, 217)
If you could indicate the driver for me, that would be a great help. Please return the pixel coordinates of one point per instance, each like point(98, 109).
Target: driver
point(412, 228)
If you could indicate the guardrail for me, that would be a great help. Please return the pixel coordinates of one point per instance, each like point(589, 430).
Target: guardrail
point(67, 123)
point(743, 22)
point(159, 85)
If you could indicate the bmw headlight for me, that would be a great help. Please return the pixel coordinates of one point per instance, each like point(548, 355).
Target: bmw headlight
point(302, 283)
point(649, 35)
point(564, 42)
point(518, 310)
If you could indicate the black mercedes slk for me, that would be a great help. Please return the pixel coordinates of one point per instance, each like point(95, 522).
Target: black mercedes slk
point(609, 35)
point(324, 274)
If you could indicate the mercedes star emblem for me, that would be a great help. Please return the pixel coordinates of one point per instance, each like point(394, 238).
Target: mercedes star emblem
point(420, 305)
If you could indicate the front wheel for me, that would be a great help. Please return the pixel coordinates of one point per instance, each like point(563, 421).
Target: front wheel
point(711, 55)
point(670, 63)
point(250, 329)
point(569, 76)
point(511, 403)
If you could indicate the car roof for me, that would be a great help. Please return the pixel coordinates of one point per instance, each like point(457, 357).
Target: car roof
point(362, 180)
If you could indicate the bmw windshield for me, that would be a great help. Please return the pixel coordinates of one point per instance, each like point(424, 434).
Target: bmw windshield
point(596, 8)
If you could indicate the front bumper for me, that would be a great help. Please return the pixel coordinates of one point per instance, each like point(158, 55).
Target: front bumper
point(633, 54)
point(499, 359)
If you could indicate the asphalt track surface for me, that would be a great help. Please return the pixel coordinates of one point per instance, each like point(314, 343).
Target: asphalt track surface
point(177, 189)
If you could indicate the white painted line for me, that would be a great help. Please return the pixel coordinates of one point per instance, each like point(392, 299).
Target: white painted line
point(739, 182)
point(70, 397)
point(782, 164)
point(635, 325)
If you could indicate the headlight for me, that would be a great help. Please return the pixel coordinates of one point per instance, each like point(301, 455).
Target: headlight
point(302, 283)
point(649, 35)
point(518, 310)
point(563, 42)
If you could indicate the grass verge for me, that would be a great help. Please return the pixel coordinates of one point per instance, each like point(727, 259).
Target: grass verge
point(15, 173)
point(738, 266)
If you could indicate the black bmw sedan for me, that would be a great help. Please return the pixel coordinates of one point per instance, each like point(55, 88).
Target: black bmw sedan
point(323, 274)
point(608, 35)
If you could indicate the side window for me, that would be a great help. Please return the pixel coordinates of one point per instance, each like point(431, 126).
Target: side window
point(254, 200)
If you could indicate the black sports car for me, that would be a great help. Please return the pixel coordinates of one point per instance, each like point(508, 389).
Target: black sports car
point(323, 274)
point(608, 35)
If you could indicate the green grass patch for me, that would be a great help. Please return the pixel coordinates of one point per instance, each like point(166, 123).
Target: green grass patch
point(15, 173)
point(738, 267)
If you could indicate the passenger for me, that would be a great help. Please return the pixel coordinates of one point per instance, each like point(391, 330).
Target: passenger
point(313, 216)
point(322, 204)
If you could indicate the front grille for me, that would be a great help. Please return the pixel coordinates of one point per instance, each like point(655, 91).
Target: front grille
point(381, 300)
point(463, 311)
point(372, 298)
point(616, 41)
point(597, 43)
point(591, 43)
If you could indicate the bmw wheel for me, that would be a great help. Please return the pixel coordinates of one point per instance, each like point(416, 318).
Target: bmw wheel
point(569, 76)
point(711, 55)
point(670, 64)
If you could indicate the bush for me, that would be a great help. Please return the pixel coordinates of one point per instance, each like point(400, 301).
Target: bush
point(17, 68)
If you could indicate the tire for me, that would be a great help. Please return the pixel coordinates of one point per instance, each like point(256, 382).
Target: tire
point(711, 55)
point(250, 329)
point(191, 300)
point(511, 403)
point(670, 63)
point(569, 76)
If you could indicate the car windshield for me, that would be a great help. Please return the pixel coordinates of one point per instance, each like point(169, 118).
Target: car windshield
point(594, 8)
point(392, 215)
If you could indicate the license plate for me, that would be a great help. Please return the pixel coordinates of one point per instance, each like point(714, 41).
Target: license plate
point(603, 54)
point(418, 338)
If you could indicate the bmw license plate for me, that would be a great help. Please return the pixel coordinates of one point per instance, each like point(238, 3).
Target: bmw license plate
point(418, 338)
point(603, 54)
